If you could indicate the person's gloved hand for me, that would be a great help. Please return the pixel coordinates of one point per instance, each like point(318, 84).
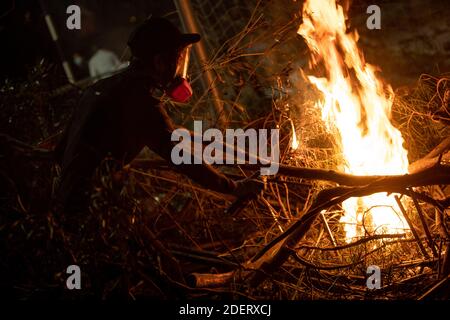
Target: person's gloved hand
point(248, 187)
point(245, 190)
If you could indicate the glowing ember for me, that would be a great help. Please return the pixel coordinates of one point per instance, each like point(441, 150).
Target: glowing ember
point(358, 105)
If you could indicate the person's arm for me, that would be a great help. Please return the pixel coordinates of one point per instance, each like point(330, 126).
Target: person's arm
point(114, 60)
point(159, 140)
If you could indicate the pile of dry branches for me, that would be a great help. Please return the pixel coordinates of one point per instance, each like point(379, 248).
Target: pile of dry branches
point(293, 245)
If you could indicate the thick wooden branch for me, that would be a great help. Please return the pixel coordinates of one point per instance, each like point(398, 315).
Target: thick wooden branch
point(441, 148)
point(340, 178)
point(424, 177)
point(428, 162)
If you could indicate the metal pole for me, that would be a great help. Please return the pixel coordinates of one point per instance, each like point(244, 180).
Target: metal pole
point(55, 38)
point(189, 22)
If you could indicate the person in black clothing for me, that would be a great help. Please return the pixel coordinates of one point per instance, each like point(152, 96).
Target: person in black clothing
point(118, 116)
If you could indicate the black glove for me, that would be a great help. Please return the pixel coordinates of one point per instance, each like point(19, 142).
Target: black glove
point(248, 187)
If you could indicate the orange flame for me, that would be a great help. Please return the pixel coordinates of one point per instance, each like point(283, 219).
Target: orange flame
point(358, 105)
point(294, 141)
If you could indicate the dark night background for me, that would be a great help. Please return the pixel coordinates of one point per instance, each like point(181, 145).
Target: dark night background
point(25, 38)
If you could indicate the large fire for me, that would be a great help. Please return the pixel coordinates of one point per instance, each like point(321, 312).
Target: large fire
point(358, 105)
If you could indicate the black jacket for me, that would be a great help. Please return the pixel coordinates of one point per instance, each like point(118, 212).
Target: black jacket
point(119, 116)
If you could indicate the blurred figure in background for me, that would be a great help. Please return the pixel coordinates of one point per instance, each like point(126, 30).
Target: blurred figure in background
point(103, 63)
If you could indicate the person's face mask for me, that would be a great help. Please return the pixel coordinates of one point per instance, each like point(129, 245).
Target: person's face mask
point(179, 89)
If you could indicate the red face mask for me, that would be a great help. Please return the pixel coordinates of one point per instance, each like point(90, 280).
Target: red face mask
point(180, 90)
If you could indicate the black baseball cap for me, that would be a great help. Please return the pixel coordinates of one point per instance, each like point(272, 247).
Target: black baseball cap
point(158, 35)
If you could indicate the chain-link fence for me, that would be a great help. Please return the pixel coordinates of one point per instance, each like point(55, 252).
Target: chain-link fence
point(222, 19)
